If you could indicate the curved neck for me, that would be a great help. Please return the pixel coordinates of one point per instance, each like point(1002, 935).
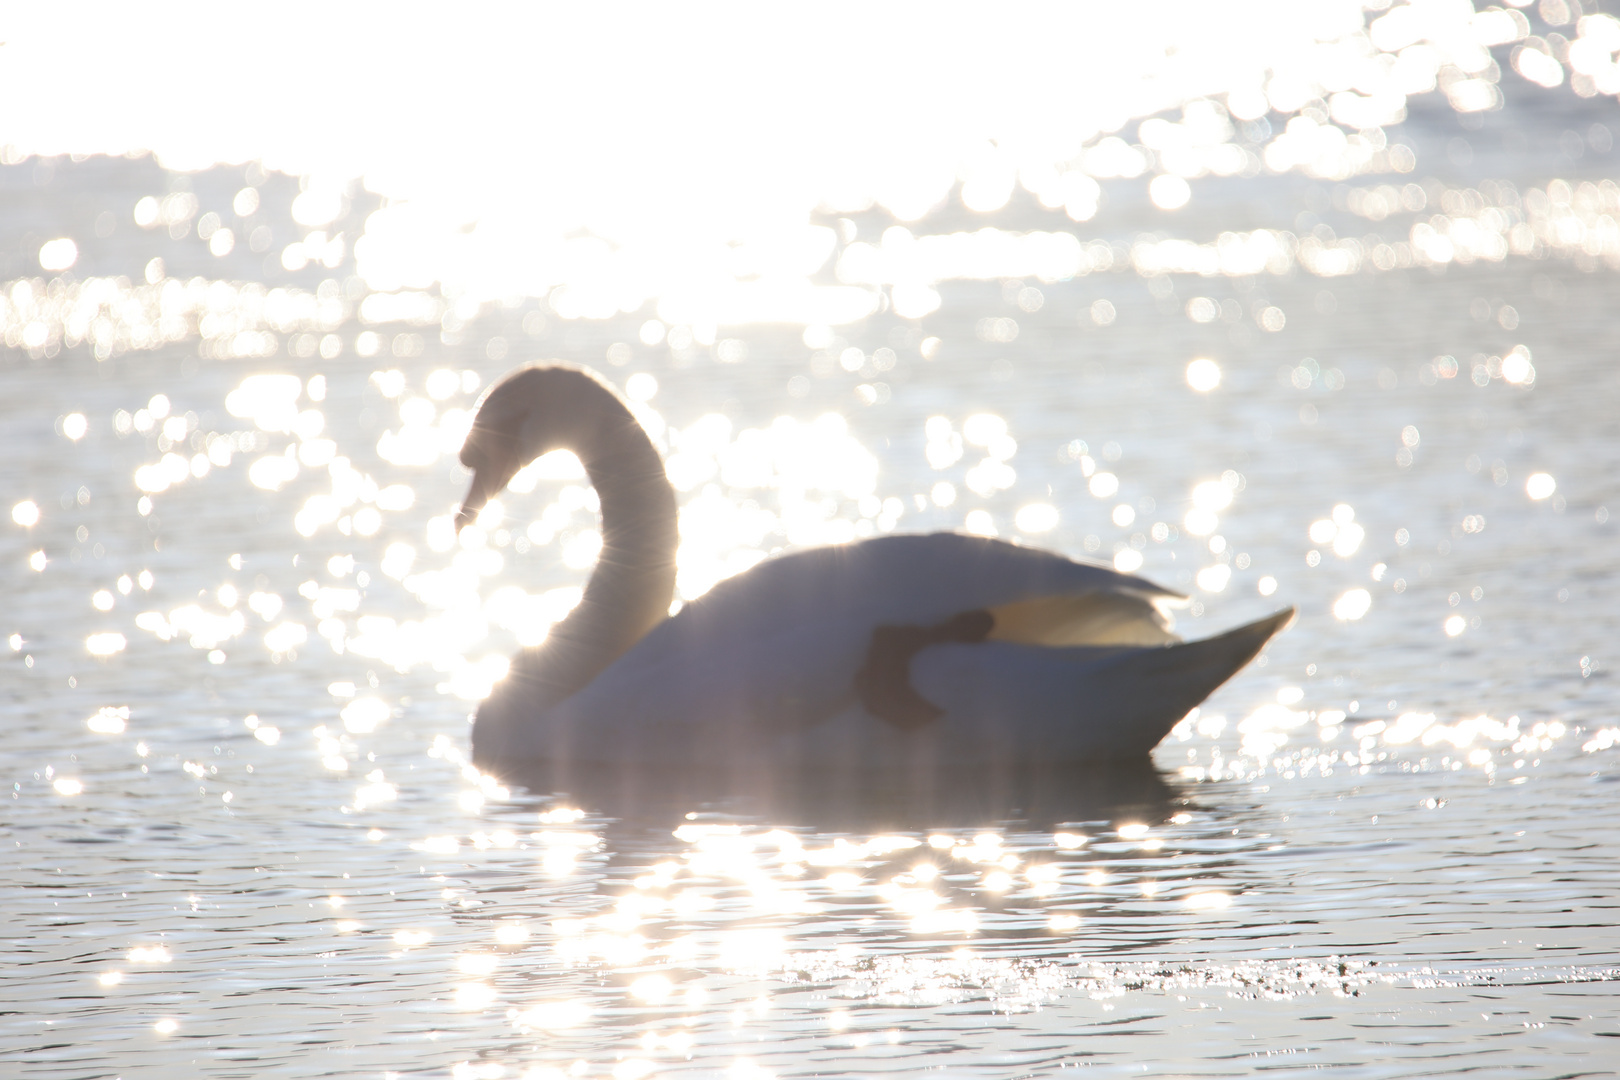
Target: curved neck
point(634, 581)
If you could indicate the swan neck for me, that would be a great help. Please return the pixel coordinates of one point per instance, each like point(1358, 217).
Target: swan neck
point(634, 581)
point(636, 567)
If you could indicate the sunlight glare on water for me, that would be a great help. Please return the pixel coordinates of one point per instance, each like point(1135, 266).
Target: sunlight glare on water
point(1289, 304)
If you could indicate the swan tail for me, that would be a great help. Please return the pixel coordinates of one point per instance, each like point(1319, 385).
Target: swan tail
point(1072, 705)
point(1185, 675)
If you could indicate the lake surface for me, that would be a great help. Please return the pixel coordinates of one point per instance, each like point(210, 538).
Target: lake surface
point(243, 644)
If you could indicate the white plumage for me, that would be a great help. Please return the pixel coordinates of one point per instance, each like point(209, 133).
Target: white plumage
point(975, 653)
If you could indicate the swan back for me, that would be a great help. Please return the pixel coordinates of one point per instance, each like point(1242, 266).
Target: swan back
point(922, 579)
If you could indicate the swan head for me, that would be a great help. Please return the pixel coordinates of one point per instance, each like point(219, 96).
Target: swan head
point(532, 411)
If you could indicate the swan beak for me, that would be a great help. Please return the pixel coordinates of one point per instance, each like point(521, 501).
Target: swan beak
point(477, 497)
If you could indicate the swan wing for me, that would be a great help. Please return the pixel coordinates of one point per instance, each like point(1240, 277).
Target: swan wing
point(1008, 706)
point(1003, 703)
point(777, 648)
point(919, 580)
point(782, 642)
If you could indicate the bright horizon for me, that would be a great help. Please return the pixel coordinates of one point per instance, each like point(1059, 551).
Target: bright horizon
point(694, 143)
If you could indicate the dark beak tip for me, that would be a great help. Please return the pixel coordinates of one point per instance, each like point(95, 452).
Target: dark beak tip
point(477, 496)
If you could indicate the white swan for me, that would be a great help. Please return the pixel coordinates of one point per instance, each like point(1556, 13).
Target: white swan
point(902, 656)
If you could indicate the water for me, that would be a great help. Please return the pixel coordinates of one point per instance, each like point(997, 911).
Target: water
point(242, 835)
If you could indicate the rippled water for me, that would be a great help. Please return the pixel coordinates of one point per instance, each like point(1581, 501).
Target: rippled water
point(243, 646)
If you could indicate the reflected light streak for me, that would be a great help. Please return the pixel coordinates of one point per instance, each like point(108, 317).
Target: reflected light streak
point(109, 720)
point(553, 1016)
point(1203, 375)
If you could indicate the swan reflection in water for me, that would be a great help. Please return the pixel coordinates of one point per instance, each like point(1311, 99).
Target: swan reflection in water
point(905, 667)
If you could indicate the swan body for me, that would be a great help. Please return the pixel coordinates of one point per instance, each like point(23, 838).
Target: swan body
point(900, 655)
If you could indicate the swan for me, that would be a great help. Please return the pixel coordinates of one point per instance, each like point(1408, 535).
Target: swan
point(896, 658)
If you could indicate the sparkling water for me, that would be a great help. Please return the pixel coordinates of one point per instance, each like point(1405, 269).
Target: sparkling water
point(1306, 305)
